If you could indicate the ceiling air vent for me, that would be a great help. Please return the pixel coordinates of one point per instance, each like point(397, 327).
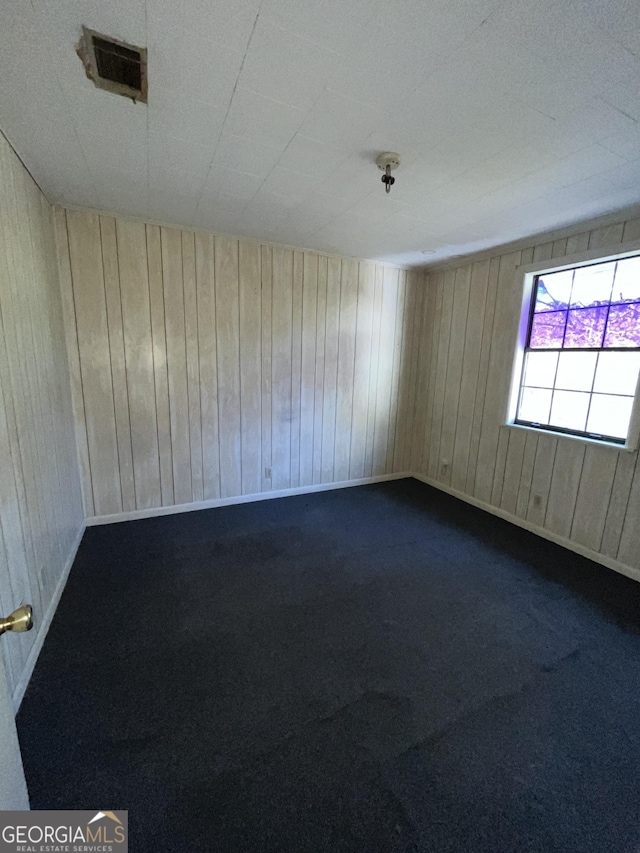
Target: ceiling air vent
point(114, 65)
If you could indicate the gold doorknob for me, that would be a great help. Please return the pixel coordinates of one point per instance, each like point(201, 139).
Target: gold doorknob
point(18, 621)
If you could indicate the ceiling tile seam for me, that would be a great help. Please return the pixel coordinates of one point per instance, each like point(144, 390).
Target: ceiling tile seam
point(27, 169)
point(617, 109)
point(303, 136)
point(453, 48)
point(268, 175)
point(224, 122)
point(45, 42)
point(531, 174)
point(304, 37)
point(609, 35)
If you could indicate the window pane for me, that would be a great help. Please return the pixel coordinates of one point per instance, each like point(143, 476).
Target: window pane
point(540, 369)
point(547, 330)
point(617, 372)
point(626, 286)
point(585, 327)
point(569, 409)
point(554, 291)
point(592, 285)
point(623, 327)
point(610, 415)
point(534, 405)
point(576, 370)
point(582, 355)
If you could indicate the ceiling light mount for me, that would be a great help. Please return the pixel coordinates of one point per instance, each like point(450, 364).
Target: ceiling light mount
point(387, 162)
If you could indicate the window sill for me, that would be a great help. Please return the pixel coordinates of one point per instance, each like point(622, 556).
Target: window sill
point(629, 447)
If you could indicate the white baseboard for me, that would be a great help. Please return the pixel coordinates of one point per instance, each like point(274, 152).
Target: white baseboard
point(44, 625)
point(21, 687)
point(609, 562)
point(239, 499)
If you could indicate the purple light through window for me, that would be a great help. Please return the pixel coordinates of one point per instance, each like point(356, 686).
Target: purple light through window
point(581, 308)
point(623, 328)
point(585, 327)
point(547, 329)
point(582, 359)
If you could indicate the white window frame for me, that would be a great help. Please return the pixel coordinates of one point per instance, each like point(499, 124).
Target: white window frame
point(524, 284)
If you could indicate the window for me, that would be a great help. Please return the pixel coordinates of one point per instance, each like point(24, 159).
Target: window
point(578, 359)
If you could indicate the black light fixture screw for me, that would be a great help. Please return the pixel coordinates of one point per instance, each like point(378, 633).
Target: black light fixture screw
point(387, 179)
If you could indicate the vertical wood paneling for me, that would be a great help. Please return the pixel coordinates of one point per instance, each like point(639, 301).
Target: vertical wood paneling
point(423, 354)
point(176, 363)
point(41, 510)
point(138, 344)
point(526, 474)
point(32, 301)
point(384, 389)
point(16, 584)
point(191, 329)
point(630, 538)
point(606, 236)
point(373, 369)
point(492, 449)
point(296, 365)
point(404, 407)
point(455, 358)
point(319, 369)
point(513, 470)
point(483, 373)
point(414, 318)
point(581, 492)
point(95, 362)
point(438, 376)
point(500, 464)
point(73, 356)
point(308, 366)
point(469, 375)
point(118, 365)
point(631, 230)
point(362, 369)
point(282, 308)
point(206, 296)
point(321, 321)
point(267, 337)
point(250, 367)
point(346, 364)
point(160, 375)
point(396, 366)
point(239, 368)
point(228, 358)
point(594, 492)
point(618, 502)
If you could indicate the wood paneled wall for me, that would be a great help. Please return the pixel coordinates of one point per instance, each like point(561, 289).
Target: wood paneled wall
point(41, 508)
point(208, 367)
point(583, 493)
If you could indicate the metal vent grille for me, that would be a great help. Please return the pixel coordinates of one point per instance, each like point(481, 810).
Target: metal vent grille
point(118, 63)
point(114, 65)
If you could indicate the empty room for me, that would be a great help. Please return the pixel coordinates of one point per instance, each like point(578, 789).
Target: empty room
point(319, 426)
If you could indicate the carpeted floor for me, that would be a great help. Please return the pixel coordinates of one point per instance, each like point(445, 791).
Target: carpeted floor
point(381, 668)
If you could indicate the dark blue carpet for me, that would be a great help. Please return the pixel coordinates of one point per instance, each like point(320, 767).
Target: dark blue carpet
point(380, 668)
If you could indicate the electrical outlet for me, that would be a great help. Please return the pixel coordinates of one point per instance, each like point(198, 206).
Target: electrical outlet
point(267, 473)
point(537, 500)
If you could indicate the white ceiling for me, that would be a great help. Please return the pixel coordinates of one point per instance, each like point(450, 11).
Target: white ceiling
point(265, 116)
